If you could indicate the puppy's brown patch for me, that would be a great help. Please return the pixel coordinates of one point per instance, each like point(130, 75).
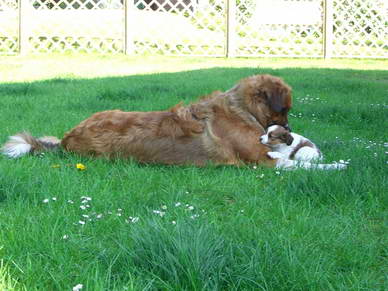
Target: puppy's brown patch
point(280, 136)
point(305, 143)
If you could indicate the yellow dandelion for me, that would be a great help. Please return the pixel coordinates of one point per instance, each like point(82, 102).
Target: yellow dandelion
point(81, 167)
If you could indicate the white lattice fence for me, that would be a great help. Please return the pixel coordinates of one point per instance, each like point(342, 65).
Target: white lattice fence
point(184, 27)
point(360, 28)
point(294, 28)
point(74, 26)
point(279, 28)
point(9, 23)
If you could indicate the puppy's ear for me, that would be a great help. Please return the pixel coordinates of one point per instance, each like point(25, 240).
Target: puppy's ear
point(289, 139)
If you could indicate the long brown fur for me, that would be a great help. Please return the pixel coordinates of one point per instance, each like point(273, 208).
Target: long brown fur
point(222, 128)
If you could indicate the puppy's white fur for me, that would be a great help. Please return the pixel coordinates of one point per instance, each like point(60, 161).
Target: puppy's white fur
point(300, 153)
point(306, 153)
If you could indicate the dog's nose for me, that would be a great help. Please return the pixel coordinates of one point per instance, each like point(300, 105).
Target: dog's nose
point(287, 127)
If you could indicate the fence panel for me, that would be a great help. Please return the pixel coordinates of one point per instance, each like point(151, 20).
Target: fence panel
point(9, 26)
point(75, 26)
point(179, 27)
point(360, 28)
point(250, 28)
point(291, 28)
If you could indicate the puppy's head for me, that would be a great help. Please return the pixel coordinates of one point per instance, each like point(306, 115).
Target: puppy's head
point(267, 98)
point(276, 135)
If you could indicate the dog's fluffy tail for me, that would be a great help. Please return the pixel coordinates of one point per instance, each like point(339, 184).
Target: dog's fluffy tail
point(24, 143)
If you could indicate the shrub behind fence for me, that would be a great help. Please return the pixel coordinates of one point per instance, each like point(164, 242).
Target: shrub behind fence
point(293, 28)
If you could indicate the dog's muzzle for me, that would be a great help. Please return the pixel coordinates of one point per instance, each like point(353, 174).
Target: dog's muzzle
point(287, 127)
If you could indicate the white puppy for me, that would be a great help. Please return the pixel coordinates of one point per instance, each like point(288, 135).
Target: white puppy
point(288, 145)
point(293, 150)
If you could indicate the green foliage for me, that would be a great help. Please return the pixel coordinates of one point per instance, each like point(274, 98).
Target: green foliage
point(120, 225)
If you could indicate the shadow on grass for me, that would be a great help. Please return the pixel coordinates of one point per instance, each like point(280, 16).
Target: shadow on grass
point(259, 228)
point(334, 96)
point(327, 102)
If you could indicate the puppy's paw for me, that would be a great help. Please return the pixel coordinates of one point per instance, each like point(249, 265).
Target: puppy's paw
point(274, 155)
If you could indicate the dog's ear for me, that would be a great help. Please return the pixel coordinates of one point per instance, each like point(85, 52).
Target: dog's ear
point(275, 100)
point(289, 139)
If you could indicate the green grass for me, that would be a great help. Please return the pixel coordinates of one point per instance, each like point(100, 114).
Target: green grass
point(247, 229)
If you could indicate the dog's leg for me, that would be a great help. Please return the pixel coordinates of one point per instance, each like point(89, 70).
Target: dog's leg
point(275, 155)
point(334, 166)
point(292, 165)
point(286, 164)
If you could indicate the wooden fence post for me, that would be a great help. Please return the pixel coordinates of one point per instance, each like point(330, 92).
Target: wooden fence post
point(129, 26)
point(328, 29)
point(231, 28)
point(23, 24)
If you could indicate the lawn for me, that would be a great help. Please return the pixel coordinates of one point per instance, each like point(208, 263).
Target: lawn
point(120, 225)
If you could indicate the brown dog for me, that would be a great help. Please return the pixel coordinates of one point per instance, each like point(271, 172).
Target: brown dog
point(221, 128)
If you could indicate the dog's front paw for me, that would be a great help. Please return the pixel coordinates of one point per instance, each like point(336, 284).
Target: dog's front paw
point(274, 155)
